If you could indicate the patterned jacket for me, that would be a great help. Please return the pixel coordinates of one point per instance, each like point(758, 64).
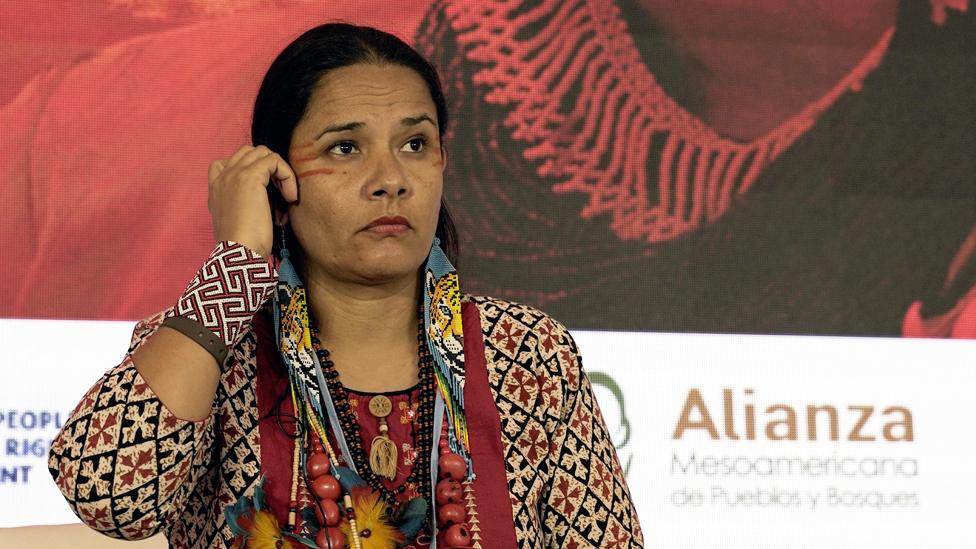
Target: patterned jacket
point(130, 468)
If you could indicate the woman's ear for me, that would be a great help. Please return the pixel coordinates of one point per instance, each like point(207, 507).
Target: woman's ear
point(280, 217)
point(443, 157)
point(279, 206)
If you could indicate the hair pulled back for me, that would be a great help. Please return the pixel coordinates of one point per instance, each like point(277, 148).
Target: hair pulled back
point(288, 85)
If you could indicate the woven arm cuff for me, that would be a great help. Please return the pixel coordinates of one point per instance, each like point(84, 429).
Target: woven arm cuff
point(227, 291)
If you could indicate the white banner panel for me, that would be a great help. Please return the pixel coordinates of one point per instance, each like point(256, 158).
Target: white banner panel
point(745, 442)
point(729, 441)
point(47, 367)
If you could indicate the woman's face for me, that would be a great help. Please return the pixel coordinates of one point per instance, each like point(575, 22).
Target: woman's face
point(370, 174)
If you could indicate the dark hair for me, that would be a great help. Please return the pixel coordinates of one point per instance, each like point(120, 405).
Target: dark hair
point(283, 98)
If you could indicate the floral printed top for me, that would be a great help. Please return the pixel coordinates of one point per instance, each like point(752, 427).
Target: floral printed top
point(547, 472)
point(402, 421)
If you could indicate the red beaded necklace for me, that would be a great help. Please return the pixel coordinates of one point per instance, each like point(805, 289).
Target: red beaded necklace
point(326, 490)
point(425, 418)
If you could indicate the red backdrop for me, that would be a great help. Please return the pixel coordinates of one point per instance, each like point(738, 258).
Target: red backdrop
point(713, 166)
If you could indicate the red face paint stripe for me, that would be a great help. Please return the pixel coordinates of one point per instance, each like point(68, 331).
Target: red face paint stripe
point(325, 171)
point(305, 158)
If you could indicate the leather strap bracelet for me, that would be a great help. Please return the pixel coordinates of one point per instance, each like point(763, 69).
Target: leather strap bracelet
point(200, 334)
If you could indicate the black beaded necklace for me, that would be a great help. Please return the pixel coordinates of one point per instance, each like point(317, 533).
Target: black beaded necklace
point(420, 472)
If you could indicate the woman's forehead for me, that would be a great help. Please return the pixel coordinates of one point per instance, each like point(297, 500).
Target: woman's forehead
point(369, 89)
point(365, 97)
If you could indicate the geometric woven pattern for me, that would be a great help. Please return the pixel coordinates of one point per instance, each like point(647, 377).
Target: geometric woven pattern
point(123, 461)
point(130, 468)
point(226, 292)
point(565, 481)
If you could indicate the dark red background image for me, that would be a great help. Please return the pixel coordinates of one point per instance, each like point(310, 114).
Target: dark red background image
point(702, 166)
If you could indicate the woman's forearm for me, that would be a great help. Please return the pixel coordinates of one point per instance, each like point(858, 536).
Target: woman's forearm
point(118, 440)
point(156, 406)
point(182, 373)
point(220, 300)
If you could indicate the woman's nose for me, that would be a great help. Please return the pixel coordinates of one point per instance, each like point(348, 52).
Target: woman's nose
point(388, 178)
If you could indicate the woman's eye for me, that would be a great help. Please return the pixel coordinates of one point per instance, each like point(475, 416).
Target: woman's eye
point(343, 149)
point(416, 144)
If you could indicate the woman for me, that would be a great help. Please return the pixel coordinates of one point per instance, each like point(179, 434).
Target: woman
point(347, 407)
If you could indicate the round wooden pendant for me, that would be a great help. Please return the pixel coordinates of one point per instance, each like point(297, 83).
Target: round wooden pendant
point(380, 406)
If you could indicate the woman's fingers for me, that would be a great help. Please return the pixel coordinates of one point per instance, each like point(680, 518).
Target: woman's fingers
point(277, 169)
point(237, 198)
point(285, 177)
point(237, 155)
point(253, 155)
point(216, 167)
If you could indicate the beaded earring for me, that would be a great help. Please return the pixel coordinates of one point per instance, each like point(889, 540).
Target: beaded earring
point(283, 247)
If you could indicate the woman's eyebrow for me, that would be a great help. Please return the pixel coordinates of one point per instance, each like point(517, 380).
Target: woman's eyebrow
point(407, 121)
point(414, 120)
point(340, 128)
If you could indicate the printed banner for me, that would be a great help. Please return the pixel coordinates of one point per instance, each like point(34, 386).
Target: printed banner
point(740, 442)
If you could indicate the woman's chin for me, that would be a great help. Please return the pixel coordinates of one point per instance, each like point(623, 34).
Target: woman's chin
point(372, 263)
point(382, 268)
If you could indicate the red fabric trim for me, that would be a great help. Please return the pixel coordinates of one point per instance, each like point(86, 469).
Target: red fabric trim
point(492, 499)
point(276, 447)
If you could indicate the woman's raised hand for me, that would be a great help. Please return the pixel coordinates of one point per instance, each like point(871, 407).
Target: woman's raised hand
point(238, 200)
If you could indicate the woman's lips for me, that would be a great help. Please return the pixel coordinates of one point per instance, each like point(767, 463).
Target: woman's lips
point(386, 225)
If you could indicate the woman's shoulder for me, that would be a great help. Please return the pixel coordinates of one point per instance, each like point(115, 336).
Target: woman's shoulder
point(525, 347)
point(515, 326)
point(502, 308)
